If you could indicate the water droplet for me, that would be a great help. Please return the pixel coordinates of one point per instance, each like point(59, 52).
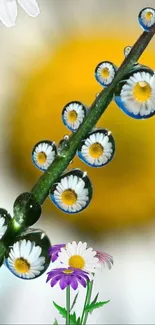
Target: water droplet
point(26, 210)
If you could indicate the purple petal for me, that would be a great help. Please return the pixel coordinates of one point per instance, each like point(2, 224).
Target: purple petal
point(74, 283)
point(55, 280)
point(63, 283)
point(81, 281)
point(54, 257)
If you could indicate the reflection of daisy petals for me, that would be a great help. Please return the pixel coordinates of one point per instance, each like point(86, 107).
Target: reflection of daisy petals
point(97, 149)
point(43, 154)
point(103, 259)
point(73, 192)
point(3, 227)
point(137, 96)
point(127, 50)
point(73, 115)
point(8, 10)
point(147, 18)
point(24, 259)
point(105, 73)
point(78, 256)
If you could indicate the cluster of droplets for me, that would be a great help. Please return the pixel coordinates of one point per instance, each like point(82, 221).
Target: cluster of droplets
point(27, 253)
point(135, 94)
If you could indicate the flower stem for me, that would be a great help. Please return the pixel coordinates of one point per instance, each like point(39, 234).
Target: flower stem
point(85, 303)
point(46, 181)
point(68, 305)
point(49, 178)
point(88, 301)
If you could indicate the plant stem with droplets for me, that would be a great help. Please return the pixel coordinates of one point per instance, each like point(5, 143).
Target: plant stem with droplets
point(60, 163)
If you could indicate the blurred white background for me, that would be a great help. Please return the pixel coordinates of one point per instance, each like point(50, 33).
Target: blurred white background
point(130, 285)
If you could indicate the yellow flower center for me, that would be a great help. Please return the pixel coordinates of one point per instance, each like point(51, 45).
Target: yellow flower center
point(77, 261)
point(21, 265)
point(69, 197)
point(96, 150)
point(72, 116)
point(41, 158)
point(105, 73)
point(142, 91)
point(148, 15)
point(68, 271)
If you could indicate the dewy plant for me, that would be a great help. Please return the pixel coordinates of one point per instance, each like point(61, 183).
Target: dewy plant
point(26, 251)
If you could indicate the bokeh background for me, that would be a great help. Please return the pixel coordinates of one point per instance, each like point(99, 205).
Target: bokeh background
point(45, 63)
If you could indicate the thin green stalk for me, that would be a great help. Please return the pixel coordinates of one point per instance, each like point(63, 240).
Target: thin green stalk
point(46, 181)
point(44, 184)
point(85, 303)
point(68, 305)
point(88, 301)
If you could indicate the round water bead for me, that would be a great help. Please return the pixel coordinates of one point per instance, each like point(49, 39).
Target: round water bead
point(73, 191)
point(98, 149)
point(27, 257)
point(147, 18)
point(73, 115)
point(135, 94)
point(26, 210)
point(5, 219)
point(105, 73)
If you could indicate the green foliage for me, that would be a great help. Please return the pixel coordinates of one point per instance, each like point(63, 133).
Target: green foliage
point(63, 313)
point(74, 301)
point(92, 306)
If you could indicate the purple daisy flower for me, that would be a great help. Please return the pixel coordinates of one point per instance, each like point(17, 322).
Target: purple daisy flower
point(66, 277)
point(54, 250)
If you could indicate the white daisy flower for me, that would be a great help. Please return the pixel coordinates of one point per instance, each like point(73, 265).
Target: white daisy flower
point(3, 227)
point(25, 260)
point(78, 256)
point(8, 10)
point(73, 115)
point(147, 18)
point(127, 50)
point(43, 154)
point(105, 73)
point(137, 96)
point(97, 149)
point(73, 192)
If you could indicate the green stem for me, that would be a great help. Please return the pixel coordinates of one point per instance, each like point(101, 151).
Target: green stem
point(60, 163)
point(85, 303)
point(68, 305)
point(46, 181)
point(88, 301)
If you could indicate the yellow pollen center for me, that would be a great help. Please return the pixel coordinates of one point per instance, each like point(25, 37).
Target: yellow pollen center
point(96, 150)
point(69, 197)
point(142, 91)
point(21, 265)
point(105, 72)
point(41, 158)
point(77, 261)
point(68, 271)
point(148, 15)
point(72, 116)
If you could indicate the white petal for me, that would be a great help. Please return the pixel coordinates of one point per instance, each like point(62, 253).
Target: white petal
point(8, 12)
point(30, 6)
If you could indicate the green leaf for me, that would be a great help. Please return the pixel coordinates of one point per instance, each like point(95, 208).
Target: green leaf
point(93, 306)
point(78, 321)
point(63, 313)
point(55, 322)
point(74, 301)
point(95, 299)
